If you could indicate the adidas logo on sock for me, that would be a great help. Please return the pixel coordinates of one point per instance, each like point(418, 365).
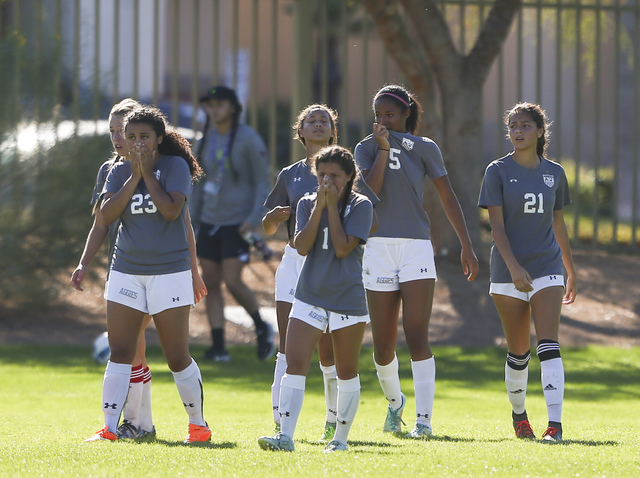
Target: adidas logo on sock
point(550, 387)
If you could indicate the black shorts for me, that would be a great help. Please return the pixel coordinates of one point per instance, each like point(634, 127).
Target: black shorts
point(217, 243)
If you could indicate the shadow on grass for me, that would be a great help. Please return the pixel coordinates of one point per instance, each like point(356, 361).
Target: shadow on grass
point(211, 445)
point(592, 373)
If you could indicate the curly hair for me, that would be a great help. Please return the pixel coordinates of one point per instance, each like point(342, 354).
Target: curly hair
point(173, 143)
point(333, 117)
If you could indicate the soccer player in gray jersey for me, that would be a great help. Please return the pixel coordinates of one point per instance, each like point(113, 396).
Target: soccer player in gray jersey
point(315, 127)
point(137, 414)
point(399, 263)
point(525, 194)
point(151, 269)
point(227, 208)
point(331, 227)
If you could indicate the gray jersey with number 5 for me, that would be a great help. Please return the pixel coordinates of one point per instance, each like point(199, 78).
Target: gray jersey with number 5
point(528, 198)
point(411, 158)
point(148, 244)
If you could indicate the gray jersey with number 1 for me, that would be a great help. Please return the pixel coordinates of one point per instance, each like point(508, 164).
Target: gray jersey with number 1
point(528, 198)
point(327, 281)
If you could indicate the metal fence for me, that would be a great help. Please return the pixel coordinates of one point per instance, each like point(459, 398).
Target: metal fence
point(71, 59)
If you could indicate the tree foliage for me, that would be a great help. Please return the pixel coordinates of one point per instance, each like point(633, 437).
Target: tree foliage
point(45, 216)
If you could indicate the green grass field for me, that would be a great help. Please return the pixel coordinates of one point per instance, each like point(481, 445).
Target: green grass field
point(50, 401)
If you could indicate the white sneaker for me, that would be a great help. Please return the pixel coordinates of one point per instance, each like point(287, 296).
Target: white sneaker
point(335, 445)
point(277, 442)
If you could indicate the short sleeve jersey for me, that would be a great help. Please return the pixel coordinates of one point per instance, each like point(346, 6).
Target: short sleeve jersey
point(411, 159)
point(327, 281)
point(293, 182)
point(528, 198)
point(95, 197)
point(148, 244)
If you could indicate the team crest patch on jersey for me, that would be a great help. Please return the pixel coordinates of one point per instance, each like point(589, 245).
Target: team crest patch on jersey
point(548, 180)
point(407, 144)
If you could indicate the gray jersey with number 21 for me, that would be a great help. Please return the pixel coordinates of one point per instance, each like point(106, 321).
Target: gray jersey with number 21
point(528, 198)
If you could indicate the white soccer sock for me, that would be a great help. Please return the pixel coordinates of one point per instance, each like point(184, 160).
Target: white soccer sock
point(146, 417)
point(330, 377)
point(278, 372)
point(115, 386)
point(516, 383)
point(424, 386)
point(390, 382)
point(189, 383)
point(291, 399)
point(552, 378)
point(348, 401)
point(131, 410)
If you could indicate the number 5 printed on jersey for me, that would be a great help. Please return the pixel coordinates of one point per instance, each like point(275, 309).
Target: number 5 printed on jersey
point(394, 160)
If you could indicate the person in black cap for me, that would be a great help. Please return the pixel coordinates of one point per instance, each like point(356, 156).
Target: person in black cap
point(226, 209)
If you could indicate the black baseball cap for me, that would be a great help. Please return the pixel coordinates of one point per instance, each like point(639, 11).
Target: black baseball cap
point(220, 93)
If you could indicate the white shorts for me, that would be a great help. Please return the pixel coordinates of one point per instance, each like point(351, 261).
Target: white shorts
point(508, 289)
point(287, 274)
point(322, 318)
point(389, 261)
point(150, 294)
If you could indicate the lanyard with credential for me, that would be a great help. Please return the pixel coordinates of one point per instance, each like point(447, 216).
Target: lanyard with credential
point(219, 162)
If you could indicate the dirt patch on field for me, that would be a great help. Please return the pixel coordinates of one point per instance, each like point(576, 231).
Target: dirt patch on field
point(607, 311)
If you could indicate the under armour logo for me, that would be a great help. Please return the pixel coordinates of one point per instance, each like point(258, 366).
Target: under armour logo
point(513, 180)
point(276, 407)
point(425, 415)
point(552, 277)
point(344, 317)
point(424, 271)
point(342, 422)
point(515, 392)
point(285, 414)
point(297, 180)
point(111, 405)
point(176, 299)
point(189, 405)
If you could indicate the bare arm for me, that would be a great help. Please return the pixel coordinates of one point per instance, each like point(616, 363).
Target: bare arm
point(169, 203)
point(199, 287)
point(375, 176)
point(114, 204)
point(342, 242)
point(272, 220)
point(455, 215)
point(562, 237)
point(95, 239)
point(519, 276)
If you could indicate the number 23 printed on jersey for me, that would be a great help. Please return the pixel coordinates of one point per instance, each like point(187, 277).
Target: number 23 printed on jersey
point(142, 203)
